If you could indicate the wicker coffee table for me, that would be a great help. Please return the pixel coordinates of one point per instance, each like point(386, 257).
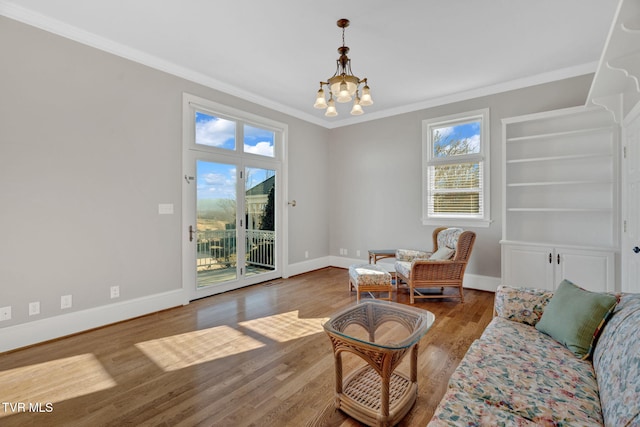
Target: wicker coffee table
point(375, 394)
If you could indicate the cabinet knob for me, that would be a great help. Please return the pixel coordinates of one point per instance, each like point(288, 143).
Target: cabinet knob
point(636, 249)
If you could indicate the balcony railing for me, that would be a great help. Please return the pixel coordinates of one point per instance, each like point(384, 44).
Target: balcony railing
point(218, 249)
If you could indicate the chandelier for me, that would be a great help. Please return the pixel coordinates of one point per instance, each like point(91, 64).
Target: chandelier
point(343, 84)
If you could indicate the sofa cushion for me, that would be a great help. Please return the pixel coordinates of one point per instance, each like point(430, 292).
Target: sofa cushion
point(459, 408)
point(524, 305)
point(616, 360)
point(516, 368)
point(574, 317)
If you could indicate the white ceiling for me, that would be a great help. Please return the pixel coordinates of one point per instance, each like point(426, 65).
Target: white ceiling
point(415, 53)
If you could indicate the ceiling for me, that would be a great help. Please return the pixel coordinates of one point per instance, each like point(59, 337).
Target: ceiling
point(415, 53)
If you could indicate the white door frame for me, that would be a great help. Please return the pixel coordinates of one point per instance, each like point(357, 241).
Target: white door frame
point(630, 233)
point(191, 152)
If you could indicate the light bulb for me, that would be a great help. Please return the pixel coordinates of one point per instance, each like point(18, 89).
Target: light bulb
point(321, 102)
point(343, 95)
point(366, 96)
point(357, 109)
point(331, 110)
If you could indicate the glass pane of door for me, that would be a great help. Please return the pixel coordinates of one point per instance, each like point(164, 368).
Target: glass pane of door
point(260, 193)
point(216, 206)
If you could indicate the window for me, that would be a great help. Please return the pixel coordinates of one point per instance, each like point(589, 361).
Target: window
point(456, 170)
point(218, 132)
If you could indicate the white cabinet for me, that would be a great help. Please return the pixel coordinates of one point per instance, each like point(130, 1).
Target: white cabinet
point(539, 266)
point(560, 197)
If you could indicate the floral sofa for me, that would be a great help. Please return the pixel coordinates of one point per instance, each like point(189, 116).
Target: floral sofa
point(515, 375)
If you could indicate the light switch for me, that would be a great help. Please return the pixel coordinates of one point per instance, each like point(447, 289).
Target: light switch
point(165, 209)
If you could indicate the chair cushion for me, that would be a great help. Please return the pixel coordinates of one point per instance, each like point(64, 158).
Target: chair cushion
point(369, 274)
point(575, 316)
point(449, 238)
point(442, 253)
point(411, 254)
point(403, 267)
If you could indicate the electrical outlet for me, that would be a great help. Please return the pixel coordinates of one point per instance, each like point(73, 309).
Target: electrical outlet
point(5, 313)
point(358, 253)
point(34, 308)
point(115, 291)
point(346, 252)
point(306, 254)
point(66, 301)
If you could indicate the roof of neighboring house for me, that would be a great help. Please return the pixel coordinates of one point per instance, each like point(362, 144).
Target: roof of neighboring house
point(262, 188)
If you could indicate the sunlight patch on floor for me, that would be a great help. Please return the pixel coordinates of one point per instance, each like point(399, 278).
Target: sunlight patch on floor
point(54, 381)
point(285, 326)
point(192, 348)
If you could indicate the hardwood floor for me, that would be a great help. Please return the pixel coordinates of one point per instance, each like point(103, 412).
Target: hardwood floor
point(257, 356)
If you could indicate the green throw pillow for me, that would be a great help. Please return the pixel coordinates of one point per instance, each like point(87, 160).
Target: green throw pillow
point(575, 316)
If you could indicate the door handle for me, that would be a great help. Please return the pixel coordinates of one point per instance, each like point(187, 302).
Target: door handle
point(550, 258)
point(191, 233)
point(558, 259)
point(636, 250)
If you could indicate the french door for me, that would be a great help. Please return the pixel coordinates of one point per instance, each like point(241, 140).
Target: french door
point(232, 194)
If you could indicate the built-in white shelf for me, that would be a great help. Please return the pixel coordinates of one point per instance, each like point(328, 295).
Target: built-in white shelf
point(560, 178)
point(560, 198)
point(593, 210)
point(574, 132)
point(554, 183)
point(561, 158)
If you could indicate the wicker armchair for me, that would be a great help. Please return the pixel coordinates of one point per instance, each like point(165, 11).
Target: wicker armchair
point(422, 272)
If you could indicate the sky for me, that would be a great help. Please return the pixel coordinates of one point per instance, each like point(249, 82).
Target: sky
point(217, 132)
point(217, 180)
point(470, 131)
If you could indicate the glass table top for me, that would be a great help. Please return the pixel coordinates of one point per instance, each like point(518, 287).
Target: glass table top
point(382, 324)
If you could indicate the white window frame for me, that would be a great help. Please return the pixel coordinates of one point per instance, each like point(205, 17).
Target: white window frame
point(193, 103)
point(483, 158)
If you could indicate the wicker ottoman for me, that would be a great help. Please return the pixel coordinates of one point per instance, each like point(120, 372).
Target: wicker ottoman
point(370, 278)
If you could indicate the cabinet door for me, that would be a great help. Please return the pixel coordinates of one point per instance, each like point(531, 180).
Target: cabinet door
point(591, 270)
point(527, 266)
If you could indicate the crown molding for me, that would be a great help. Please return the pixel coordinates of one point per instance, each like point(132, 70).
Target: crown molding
point(46, 23)
point(65, 30)
point(551, 76)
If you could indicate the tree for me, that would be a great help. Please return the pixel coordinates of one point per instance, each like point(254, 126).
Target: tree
point(268, 216)
point(453, 178)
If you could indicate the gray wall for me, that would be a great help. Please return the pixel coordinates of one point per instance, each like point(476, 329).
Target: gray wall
point(376, 174)
point(90, 144)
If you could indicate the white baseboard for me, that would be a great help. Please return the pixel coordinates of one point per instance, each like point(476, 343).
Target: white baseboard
point(481, 283)
point(25, 334)
point(307, 266)
point(471, 281)
point(342, 262)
